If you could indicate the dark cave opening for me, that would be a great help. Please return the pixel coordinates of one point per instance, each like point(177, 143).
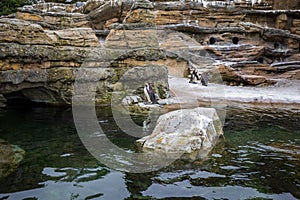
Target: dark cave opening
point(18, 99)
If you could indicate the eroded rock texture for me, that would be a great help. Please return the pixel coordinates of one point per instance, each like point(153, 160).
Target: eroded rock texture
point(187, 131)
point(43, 46)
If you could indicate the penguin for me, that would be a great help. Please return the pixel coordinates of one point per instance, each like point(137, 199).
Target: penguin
point(149, 93)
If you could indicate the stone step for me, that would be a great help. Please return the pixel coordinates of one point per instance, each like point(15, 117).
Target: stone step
point(287, 66)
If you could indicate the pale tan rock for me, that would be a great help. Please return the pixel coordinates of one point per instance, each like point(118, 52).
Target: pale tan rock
point(84, 37)
point(281, 21)
point(23, 32)
point(28, 16)
point(253, 79)
point(184, 131)
point(131, 39)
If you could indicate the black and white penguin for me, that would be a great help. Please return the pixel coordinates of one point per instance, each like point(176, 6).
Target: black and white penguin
point(149, 93)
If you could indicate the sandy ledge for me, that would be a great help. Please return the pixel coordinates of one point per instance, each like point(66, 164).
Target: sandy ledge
point(285, 93)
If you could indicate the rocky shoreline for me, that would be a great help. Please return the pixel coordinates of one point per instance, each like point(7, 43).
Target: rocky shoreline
point(47, 48)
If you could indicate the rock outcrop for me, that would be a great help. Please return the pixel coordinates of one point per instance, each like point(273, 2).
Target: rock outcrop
point(10, 158)
point(188, 131)
point(44, 45)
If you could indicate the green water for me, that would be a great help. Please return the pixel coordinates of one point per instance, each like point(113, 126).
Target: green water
point(260, 160)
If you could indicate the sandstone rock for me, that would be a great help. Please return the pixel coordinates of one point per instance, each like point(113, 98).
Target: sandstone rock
point(296, 22)
point(10, 157)
point(131, 39)
point(254, 68)
point(99, 16)
point(253, 79)
point(184, 131)
point(288, 4)
point(139, 15)
point(92, 5)
point(247, 73)
point(295, 57)
point(42, 53)
point(229, 75)
point(292, 75)
point(62, 21)
point(22, 32)
point(29, 16)
point(83, 37)
point(235, 53)
point(140, 12)
point(53, 16)
point(281, 21)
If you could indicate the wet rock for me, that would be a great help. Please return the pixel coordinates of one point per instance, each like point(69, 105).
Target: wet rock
point(10, 156)
point(184, 131)
point(130, 100)
point(2, 101)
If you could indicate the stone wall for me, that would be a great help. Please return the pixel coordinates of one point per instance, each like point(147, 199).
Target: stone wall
point(43, 46)
point(42, 51)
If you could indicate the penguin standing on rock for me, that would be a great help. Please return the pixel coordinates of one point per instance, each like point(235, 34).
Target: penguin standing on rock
point(149, 93)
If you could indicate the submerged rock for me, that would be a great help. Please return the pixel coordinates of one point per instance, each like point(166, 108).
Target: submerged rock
point(10, 158)
point(2, 101)
point(193, 132)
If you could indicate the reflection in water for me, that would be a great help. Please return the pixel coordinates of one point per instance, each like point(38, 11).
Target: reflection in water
point(260, 159)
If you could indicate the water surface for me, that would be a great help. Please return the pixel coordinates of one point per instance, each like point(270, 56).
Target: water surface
point(259, 160)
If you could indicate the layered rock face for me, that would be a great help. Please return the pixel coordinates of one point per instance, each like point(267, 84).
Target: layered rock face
point(39, 62)
point(43, 46)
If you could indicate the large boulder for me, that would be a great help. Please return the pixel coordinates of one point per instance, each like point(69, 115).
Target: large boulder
point(190, 131)
point(10, 158)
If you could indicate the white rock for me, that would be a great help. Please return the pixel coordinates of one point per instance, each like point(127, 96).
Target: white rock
point(130, 100)
point(184, 131)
